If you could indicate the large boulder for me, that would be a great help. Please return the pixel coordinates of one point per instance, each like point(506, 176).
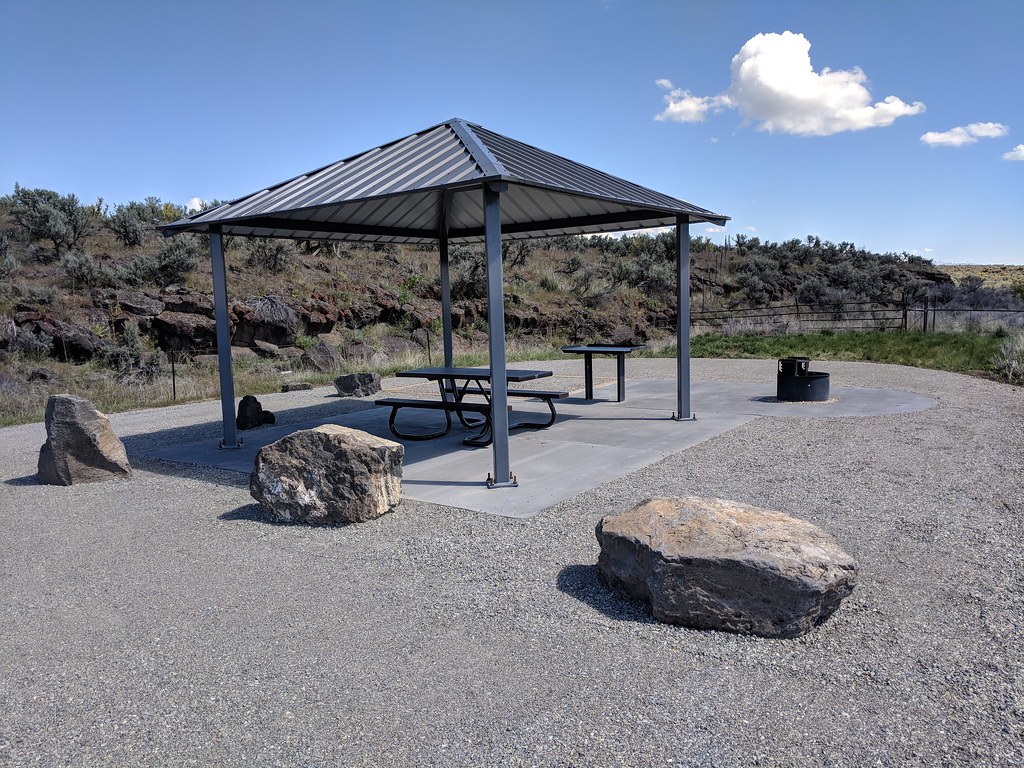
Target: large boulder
point(714, 564)
point(357, 384)
point(330, 474)
point(80, 446)
point(321, 357)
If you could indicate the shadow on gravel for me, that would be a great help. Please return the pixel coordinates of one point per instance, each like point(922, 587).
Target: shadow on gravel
point(255, 513)
point(251, 513)
point(26, 480)
point(581, 582)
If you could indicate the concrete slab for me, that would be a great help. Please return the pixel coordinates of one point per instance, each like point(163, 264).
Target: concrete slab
point(591, 443)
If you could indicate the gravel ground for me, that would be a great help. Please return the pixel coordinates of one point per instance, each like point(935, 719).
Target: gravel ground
point(165, 621)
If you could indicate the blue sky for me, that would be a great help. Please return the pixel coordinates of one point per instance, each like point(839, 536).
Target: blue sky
point(217, 99)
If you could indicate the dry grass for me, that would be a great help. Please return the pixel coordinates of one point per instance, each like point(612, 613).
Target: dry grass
point(994, 275)
point(24, 402)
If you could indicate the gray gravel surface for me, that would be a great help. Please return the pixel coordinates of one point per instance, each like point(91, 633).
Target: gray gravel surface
point(165, 621)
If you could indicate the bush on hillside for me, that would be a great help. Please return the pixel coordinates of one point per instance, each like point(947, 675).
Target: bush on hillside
point(42, 214)
point(178, 256)
point(269, 255)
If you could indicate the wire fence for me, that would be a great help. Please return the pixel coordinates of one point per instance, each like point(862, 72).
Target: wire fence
point(855, 316)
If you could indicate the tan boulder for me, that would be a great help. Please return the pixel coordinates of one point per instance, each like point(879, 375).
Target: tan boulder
point(716, 564)
point(330, 474)
point(80, 445)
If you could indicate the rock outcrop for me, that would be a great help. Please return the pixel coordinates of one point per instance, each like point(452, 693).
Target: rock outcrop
point(80, 445)
point(321, 357)
point(330, 474)
point(714, 564)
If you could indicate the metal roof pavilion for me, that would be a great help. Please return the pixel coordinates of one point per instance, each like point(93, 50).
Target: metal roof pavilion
point(454, 182)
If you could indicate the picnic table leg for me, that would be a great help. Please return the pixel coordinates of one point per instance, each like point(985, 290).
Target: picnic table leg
point(588, 372)
point(621, 366)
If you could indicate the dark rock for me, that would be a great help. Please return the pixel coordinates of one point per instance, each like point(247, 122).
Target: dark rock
point(358, 350)
point(393, 346)
point(321, 357)
point(186, 301)
point(185, 331)
point(251, 414)
point(243, 353)
point(714, 564)
point(266, 349)
point(330, 474)
point(135, 302)
point(42, 374)
point(80, 446)
point(357, 384)
point(72, 343)
point(296, 386)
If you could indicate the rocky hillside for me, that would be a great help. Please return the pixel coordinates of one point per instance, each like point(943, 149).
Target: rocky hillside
point(83, 282)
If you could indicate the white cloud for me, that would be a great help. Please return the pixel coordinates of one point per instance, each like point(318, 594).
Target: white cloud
point(964, 134)
point(751, 229)
point(684, 107)
point(195, 204)
point(1017, 153)
point(775, 86)
point(713, 230)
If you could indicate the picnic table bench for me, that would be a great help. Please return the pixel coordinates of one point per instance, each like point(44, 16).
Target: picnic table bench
point(455, 384)
point(589, 350)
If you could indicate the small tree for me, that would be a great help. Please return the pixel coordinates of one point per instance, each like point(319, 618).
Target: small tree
point(131, 223)
point(8, 263)
point(44, 215)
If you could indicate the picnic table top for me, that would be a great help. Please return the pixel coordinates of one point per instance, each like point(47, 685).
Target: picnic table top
point(476, 374)
point(607, 349)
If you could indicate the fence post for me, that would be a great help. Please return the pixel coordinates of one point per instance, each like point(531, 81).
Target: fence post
point(924, 317)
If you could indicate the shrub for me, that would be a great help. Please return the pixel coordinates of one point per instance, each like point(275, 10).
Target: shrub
point(81, 271)
point(548, 283)
point(44, 215)
point(178, 256)
point(9, 266)
point(305, 342)
point(141, 270)
point(1009, 359)
point(131, 223)
point(32, 294)
point(270, 255)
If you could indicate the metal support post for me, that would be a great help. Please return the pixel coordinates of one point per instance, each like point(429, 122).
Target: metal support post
point(496, 336)
point(446, 281)
point(683, 412)
point(220, 304)
point(620, 377)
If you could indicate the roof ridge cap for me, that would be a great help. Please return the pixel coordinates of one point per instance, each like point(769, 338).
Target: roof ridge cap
point(482, 156)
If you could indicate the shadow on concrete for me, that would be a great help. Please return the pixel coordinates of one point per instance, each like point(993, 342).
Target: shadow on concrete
point(581, 582)
point(140, 446)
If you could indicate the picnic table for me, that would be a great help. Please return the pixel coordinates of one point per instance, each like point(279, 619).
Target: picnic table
point(589, 350)
point(455, 385)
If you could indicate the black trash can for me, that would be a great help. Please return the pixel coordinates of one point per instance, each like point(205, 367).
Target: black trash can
point(796, 382)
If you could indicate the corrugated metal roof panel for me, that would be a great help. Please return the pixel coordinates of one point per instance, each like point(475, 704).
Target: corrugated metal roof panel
point(392, 192)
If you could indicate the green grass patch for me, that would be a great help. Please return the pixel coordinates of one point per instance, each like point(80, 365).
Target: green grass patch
point(958, 352)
